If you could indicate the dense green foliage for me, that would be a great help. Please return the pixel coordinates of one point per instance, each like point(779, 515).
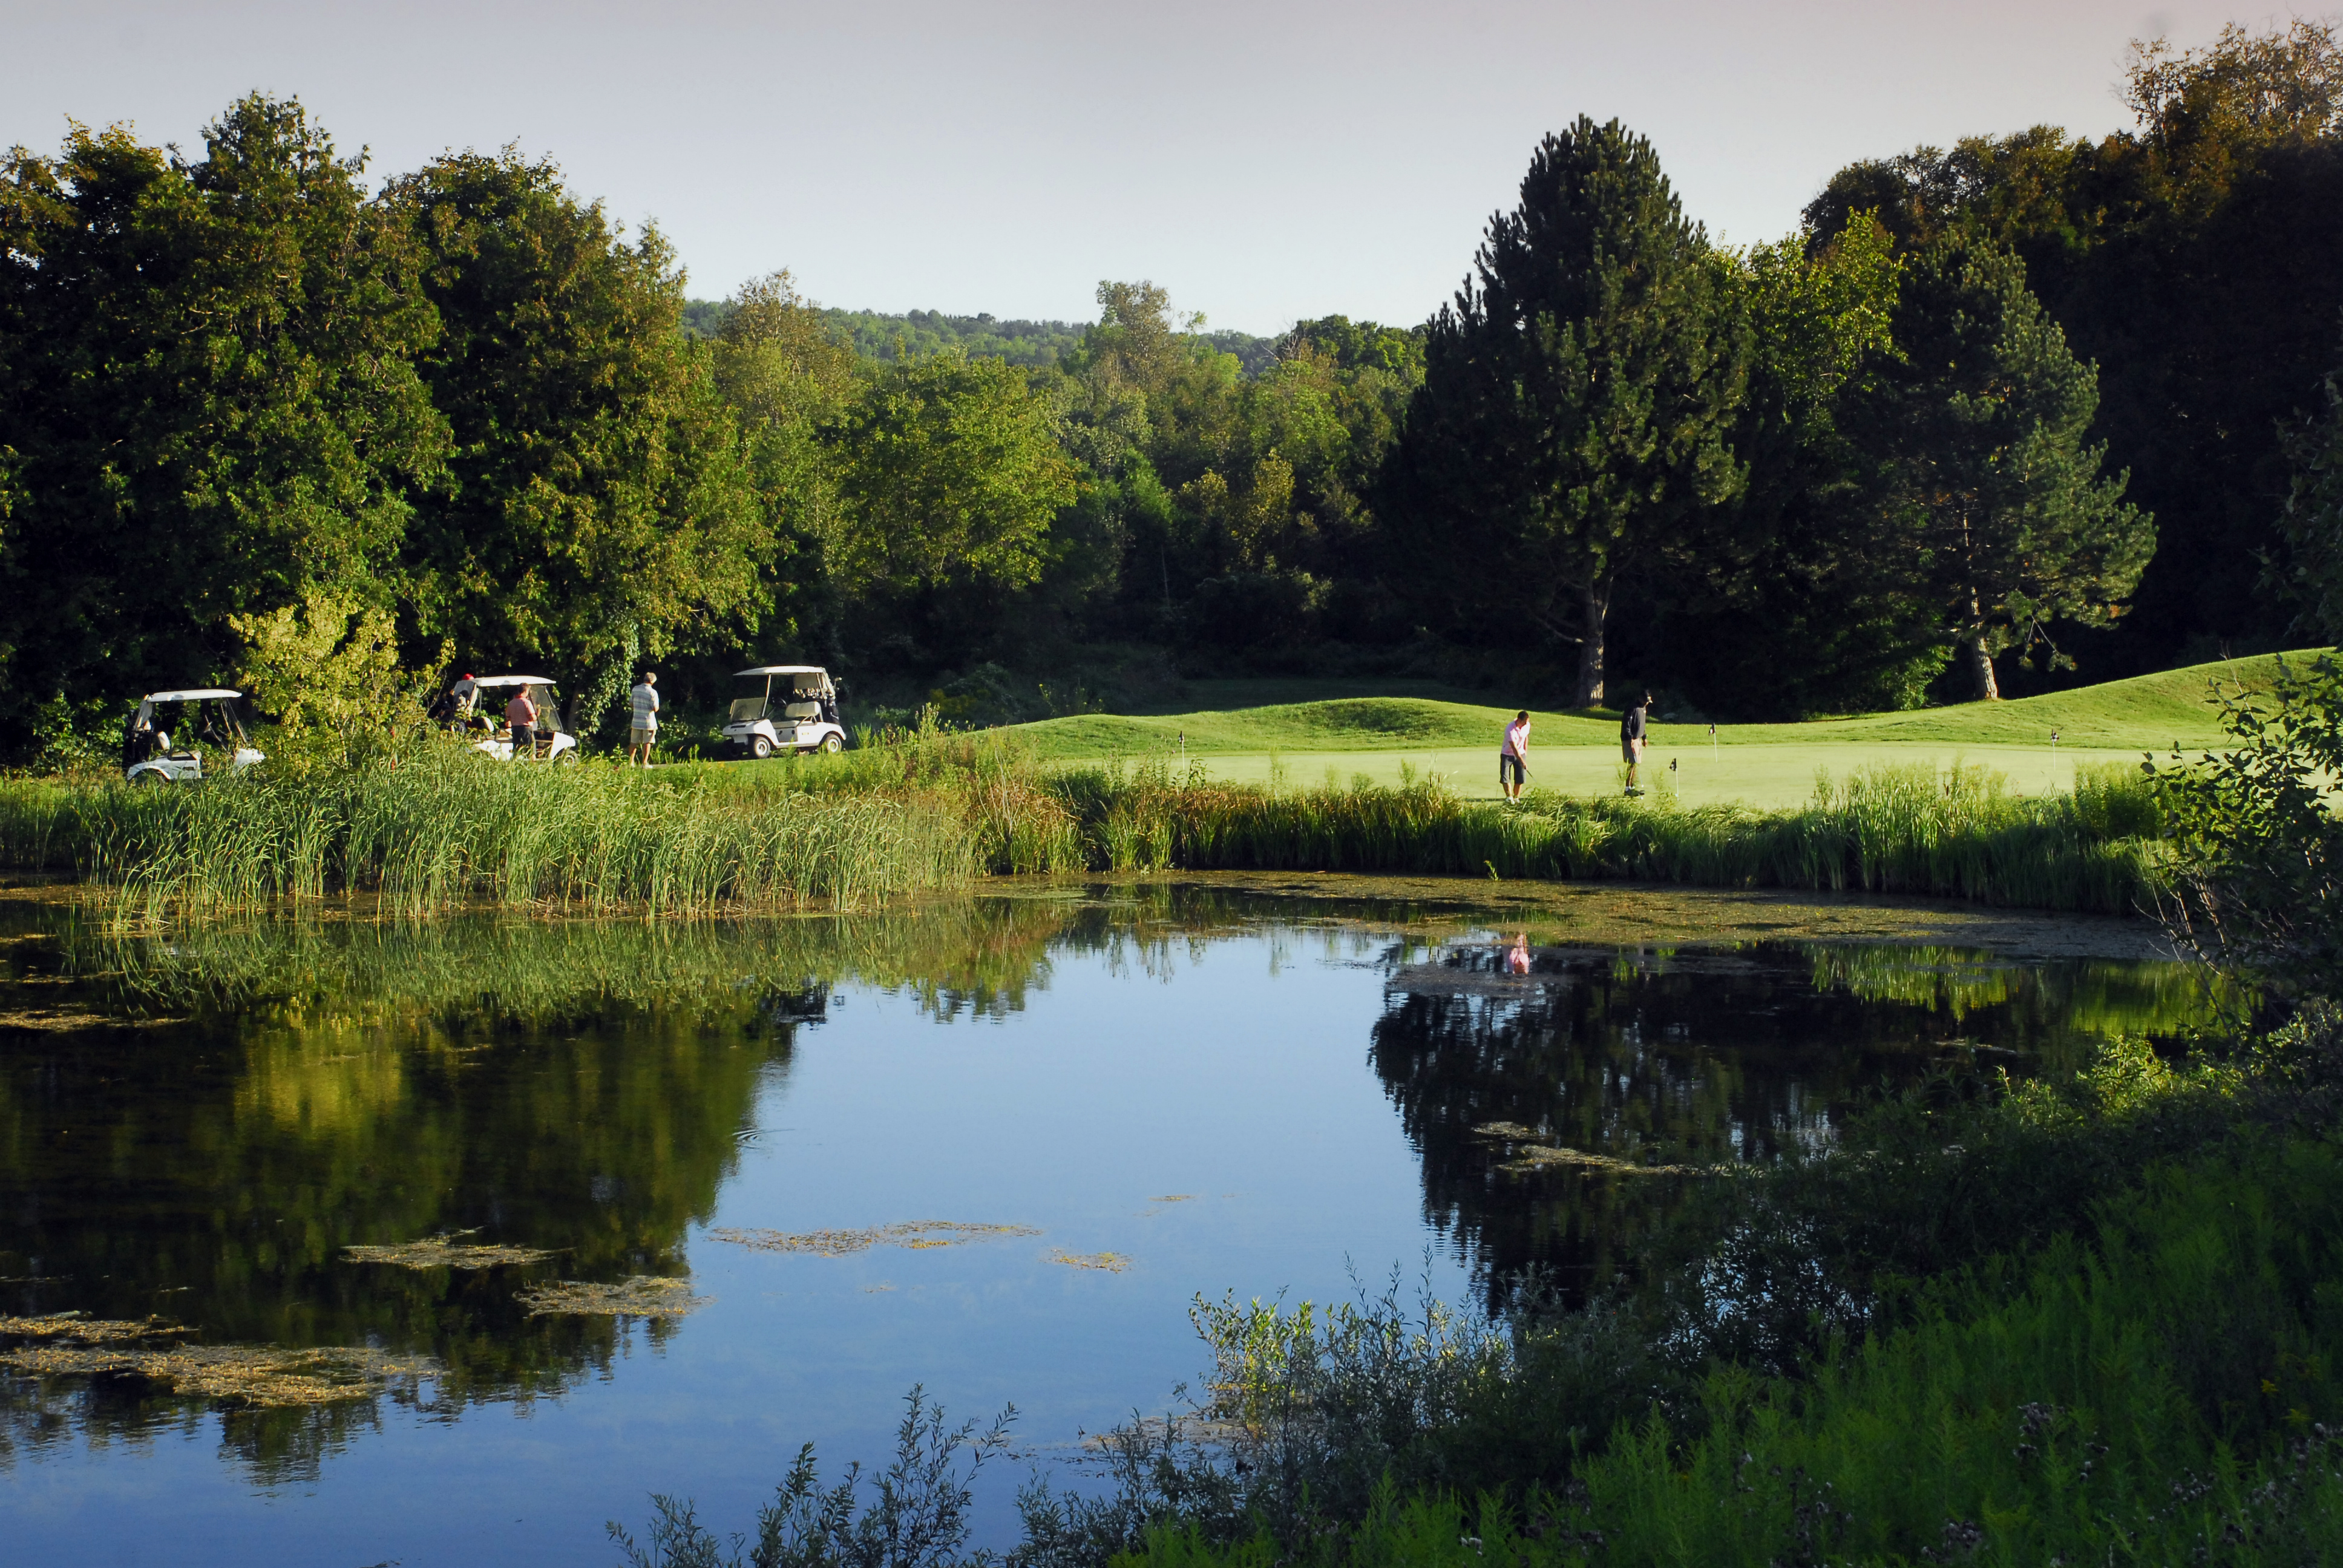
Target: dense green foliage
point(2310, 571)
point(1578, 399)
point(2197, 260)
point(2261, 849)
point(599, 506)
point(1931, 424)
point(209, 394)
point(1035, 344)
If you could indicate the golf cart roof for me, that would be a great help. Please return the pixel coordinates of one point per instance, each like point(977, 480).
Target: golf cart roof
point(192, 694)
point(511, 680)
point(785, 669)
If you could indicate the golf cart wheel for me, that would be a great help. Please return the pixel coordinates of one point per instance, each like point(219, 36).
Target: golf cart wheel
point(760, 747)
point(831, 744)
point(568, 759)
point(152, 779)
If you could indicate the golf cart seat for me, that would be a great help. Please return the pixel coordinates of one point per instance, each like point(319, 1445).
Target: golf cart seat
point(801, 710)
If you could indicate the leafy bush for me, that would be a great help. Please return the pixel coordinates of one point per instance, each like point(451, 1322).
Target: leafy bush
point(2258, 882)
point(917, 1518)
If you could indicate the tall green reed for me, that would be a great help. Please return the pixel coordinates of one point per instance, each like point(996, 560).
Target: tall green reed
point(1958, 833)
point(439, 827)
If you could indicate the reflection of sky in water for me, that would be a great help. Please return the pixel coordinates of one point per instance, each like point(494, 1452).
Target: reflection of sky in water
point(1311, 1119)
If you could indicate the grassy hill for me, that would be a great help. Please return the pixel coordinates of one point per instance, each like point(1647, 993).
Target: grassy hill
point(2148, 712)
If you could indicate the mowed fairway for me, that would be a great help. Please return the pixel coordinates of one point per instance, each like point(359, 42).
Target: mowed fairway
point(1379, 738)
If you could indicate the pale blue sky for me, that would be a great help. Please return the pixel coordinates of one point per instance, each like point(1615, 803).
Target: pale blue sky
point(1264, 161)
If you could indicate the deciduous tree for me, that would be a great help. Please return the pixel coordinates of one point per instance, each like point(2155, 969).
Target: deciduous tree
point(207, 384)
point(603, 506)
point(949, 472)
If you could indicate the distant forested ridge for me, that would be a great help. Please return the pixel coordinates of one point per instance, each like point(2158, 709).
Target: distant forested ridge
point(2034, 410)
point(874, 335)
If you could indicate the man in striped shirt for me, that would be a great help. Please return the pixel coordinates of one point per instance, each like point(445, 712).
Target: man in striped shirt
point(643, 731)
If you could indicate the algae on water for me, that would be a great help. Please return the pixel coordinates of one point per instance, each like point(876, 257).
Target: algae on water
point(66, 1345)
point(1105, 1263)
point(916, 1234)
point(641, 1296)
point(447, 1252)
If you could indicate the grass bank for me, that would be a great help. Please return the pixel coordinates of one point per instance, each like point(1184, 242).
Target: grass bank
point(439, 827)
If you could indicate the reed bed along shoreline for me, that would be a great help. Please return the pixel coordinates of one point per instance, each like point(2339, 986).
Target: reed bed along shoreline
point(437, 828)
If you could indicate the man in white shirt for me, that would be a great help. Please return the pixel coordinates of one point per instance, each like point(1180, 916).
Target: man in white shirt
point(1513, 757)
point(643, 731)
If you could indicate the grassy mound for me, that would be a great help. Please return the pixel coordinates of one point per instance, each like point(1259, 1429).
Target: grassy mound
point(2146, 712)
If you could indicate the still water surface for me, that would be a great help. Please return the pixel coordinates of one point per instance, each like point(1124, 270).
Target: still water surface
point(1165, 1089)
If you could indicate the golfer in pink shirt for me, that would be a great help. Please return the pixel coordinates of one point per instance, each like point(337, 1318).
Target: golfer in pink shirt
point(1513, 757)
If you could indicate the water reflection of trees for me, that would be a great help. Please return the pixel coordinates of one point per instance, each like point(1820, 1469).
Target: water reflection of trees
point(213, 1174)
point(1696, 1059)
point(277, 1090)
point(282, 1089)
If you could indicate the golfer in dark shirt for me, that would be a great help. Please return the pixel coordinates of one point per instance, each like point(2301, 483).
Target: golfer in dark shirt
point(1630, 740)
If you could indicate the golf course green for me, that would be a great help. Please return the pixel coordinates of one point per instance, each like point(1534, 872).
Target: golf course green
point(2036, 741)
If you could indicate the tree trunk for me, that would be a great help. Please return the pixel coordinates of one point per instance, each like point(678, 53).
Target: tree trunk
point(1981, 666)
point(1595, 608)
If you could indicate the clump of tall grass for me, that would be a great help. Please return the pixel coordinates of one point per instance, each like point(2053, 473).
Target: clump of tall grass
point(1957, 833)
point(438, 825)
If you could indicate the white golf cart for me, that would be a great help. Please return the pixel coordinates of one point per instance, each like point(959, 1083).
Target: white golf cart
point(167, 739)
point(485, 716)
point(784, 706)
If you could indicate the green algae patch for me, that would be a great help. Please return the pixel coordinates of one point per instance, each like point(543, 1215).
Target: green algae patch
point(448, 1251)
point(86, 1330)
point(66, 1345)
point(639, 1296)
point(916, 1233)
point(1104, 1262)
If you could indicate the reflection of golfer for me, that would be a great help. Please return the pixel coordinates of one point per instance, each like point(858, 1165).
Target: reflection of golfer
point(1513, 757)
point(1630, 740)
point(1517, 957)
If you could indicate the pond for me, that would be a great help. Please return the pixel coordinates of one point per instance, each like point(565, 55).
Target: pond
point(993, 1147)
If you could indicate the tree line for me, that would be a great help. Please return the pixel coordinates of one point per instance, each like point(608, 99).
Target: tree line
point(2029, 402)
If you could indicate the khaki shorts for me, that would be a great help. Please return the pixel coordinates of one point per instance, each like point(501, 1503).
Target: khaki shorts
point(1633, 750)
point(642, 738)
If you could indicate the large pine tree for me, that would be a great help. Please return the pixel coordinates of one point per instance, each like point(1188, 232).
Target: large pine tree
point(1578, 398)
